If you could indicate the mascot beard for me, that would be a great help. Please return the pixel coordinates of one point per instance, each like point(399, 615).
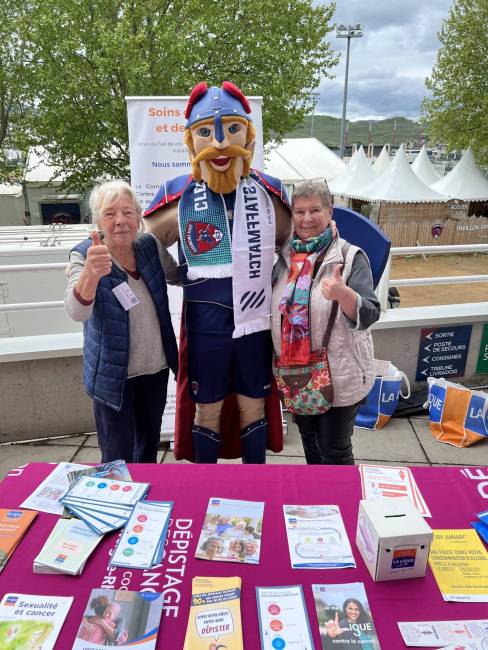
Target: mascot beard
point(222, 182)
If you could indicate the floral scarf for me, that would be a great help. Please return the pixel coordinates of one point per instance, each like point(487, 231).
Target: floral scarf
point(295, 330)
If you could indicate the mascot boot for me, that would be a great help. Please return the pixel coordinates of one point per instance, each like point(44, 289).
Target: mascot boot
point(206, 444)
point(253, 441)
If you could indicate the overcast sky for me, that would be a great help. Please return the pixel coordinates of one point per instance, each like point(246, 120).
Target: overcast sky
point(388, 65)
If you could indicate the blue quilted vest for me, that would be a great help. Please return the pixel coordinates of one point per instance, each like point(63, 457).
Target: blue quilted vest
point(106, 340)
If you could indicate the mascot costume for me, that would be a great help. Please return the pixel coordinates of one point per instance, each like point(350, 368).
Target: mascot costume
point(228, 220)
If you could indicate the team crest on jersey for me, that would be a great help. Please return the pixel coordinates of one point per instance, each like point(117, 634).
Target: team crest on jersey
point(202, 237)
point(437, 230)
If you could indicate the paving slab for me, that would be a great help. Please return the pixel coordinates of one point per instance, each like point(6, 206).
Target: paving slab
point(93, 455)
point(440, 453)
point(91, 440)
point(75, 441)
point(389, 463)
point(396, 442)
point(15, 455)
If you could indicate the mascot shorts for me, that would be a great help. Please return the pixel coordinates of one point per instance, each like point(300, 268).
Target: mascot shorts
point(219, 365)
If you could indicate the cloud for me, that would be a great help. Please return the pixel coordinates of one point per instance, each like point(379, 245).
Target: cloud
point(389, 64)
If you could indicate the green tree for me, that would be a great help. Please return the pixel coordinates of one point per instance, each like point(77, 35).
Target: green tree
point(457, 112)
point(12, 60)
point(87, 55)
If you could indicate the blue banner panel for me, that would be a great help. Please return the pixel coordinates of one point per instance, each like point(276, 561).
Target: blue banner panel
point(443, 352)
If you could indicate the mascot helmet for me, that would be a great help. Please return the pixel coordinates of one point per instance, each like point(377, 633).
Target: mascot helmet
point(215, 103)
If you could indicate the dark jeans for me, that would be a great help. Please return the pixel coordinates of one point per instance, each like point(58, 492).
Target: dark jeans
point(326, 438)
point(133, 433)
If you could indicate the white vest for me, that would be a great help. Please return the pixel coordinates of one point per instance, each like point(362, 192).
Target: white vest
point(350, 351)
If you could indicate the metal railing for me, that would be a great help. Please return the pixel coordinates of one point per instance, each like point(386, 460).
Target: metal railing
point(382, 290)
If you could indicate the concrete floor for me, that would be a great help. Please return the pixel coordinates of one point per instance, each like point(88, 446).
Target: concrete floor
point(404, 441)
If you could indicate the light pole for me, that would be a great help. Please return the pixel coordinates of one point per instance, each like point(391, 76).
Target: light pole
point(346, 31)
point(314, 98)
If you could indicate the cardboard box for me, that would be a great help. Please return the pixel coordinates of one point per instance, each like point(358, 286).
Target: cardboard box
point(393, 539)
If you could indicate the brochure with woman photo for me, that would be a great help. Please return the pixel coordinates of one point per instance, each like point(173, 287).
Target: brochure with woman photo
point(120, 618)
point(231, 531)
point(345, 619)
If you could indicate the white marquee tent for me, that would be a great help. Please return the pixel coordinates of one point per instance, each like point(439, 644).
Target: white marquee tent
point(465, 182)
point(358, 173)
point(382, 162)
point(298, 159)
point(424, 168)
point(398, 184)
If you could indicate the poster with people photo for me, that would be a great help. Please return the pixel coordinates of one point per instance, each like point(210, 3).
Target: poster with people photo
point(231, 531)
point(345, 619)
point(120, 618)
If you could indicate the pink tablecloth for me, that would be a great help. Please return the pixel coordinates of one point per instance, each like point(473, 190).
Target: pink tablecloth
point(453, 494)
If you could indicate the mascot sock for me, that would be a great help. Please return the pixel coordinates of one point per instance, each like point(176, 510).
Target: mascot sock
point(253, 441)
point(206, 444)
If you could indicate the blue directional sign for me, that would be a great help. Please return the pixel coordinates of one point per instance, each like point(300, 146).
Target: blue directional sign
point(443, 352)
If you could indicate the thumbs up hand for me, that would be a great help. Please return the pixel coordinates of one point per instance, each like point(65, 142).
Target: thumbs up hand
point(98, 258)
point(333, 286)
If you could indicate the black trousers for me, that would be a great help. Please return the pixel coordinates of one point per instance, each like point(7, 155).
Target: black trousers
point(133, 433)
point(326, 438)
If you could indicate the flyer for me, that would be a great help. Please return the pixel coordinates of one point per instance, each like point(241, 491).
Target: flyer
point(13, 526)
point(102, 503)
point(387, 482)
point(317, 538)
point(283, 619)
point(459, 562)
point(478, 644)
point(116, 469)
point(141, 545)
point(67, 548)
point(46, 496)
point(231, 531)
point(432, 634)
point(21, 626)
point(215, 614)
point(125, 619)
point(345, 619)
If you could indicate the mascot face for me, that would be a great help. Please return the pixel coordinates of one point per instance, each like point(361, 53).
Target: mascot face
point(219, 136)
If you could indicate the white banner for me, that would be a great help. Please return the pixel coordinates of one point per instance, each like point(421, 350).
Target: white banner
point(157, 153)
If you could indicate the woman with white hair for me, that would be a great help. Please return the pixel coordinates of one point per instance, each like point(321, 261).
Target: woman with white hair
point(117, 288)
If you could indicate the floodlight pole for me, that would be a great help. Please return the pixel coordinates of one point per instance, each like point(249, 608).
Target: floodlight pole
point(314, 97)
point(349, 31)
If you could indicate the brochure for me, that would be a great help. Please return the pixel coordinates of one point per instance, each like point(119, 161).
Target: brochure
point(283, 618)
point(215, 614)
point(22, 627)
point(67, 548)
point(116, 469)
point(481, 529)
point(478, 644)
point(120, 618)
point(432, 634)
point(459, 562)
point(380, 482)
point(317, 538)
point(102, 503)
point(46, 496)
point(13, 526)
point(345, 619)
point(141, 545)
point(231, 531)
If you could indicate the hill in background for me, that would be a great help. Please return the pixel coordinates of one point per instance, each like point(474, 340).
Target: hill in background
point(327, 129)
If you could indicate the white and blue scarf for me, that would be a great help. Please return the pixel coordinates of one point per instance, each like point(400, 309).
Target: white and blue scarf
point(247, 257)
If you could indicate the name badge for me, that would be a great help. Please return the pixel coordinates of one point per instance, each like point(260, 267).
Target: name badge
point(125, 296)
